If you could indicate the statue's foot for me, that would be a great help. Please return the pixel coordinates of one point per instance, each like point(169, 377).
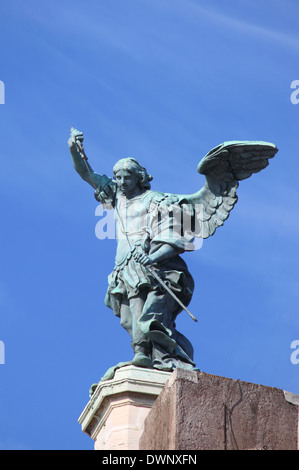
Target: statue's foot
point(141, 360)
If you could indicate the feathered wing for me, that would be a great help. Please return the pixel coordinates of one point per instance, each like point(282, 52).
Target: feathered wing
point(224, 166)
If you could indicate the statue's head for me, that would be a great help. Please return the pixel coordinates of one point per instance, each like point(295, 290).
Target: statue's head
point(131, 167)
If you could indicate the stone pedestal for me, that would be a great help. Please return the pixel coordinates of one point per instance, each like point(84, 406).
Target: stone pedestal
point(115, 414)
point(198, 411)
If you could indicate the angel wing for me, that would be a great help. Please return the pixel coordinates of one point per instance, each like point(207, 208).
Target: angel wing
point(224, 166)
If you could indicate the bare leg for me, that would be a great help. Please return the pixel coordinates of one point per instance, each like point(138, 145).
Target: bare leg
point(126, 317)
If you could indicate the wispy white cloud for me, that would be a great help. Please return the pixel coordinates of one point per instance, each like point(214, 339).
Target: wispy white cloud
point(242, 27)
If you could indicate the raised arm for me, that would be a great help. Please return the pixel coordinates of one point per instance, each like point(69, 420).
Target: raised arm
point(82, 166)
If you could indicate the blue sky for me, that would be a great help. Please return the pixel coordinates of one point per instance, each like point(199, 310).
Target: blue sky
point(163, 81)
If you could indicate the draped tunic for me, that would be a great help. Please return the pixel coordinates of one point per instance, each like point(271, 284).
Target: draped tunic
point(146, 221)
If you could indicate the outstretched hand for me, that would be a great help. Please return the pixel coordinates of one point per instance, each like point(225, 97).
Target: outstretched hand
point(76, 136)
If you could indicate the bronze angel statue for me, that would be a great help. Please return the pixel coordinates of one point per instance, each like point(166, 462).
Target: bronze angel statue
point(150, 283)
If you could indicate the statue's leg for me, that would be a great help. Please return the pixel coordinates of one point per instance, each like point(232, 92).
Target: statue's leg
point(126, 317)
point(140, 342)
point(170, 348)
point(158, 311)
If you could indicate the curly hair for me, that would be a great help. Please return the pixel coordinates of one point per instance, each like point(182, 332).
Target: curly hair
point(132, 166)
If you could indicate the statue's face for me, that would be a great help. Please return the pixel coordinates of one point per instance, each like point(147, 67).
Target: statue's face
point(126, 182)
